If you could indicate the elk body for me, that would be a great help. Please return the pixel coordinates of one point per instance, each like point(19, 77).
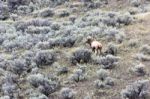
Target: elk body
point(95, 45)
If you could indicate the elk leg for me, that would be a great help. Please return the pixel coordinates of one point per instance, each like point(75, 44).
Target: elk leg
point(93, 49)
point(97, 51)
point(100, 50)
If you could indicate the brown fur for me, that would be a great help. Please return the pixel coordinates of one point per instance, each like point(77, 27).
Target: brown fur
point(95, 45)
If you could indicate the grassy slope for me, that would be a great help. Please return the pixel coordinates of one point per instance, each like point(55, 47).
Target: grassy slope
point(139, 30)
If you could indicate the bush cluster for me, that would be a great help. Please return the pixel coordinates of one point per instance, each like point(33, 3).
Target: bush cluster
point(79, 75)
point(14, 4)
point(47, 12)
point(67, 93)
point(138, 70)
point(81, 56)
point(4, 12)
point(145, 49)
point(44, 85)
point(107, 62)
point(137, 90)
point(144, 53)
point(104, 81)
point(44, 58)
point(18, 66)
point(111, 49)
point(22, 26)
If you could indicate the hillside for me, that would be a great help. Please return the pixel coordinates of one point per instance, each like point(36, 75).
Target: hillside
point(44, 54)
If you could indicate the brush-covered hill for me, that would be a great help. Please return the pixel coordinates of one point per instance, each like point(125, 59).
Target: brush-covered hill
point(44, 55)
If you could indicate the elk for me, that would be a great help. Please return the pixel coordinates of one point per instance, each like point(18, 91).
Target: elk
point(95, 45)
